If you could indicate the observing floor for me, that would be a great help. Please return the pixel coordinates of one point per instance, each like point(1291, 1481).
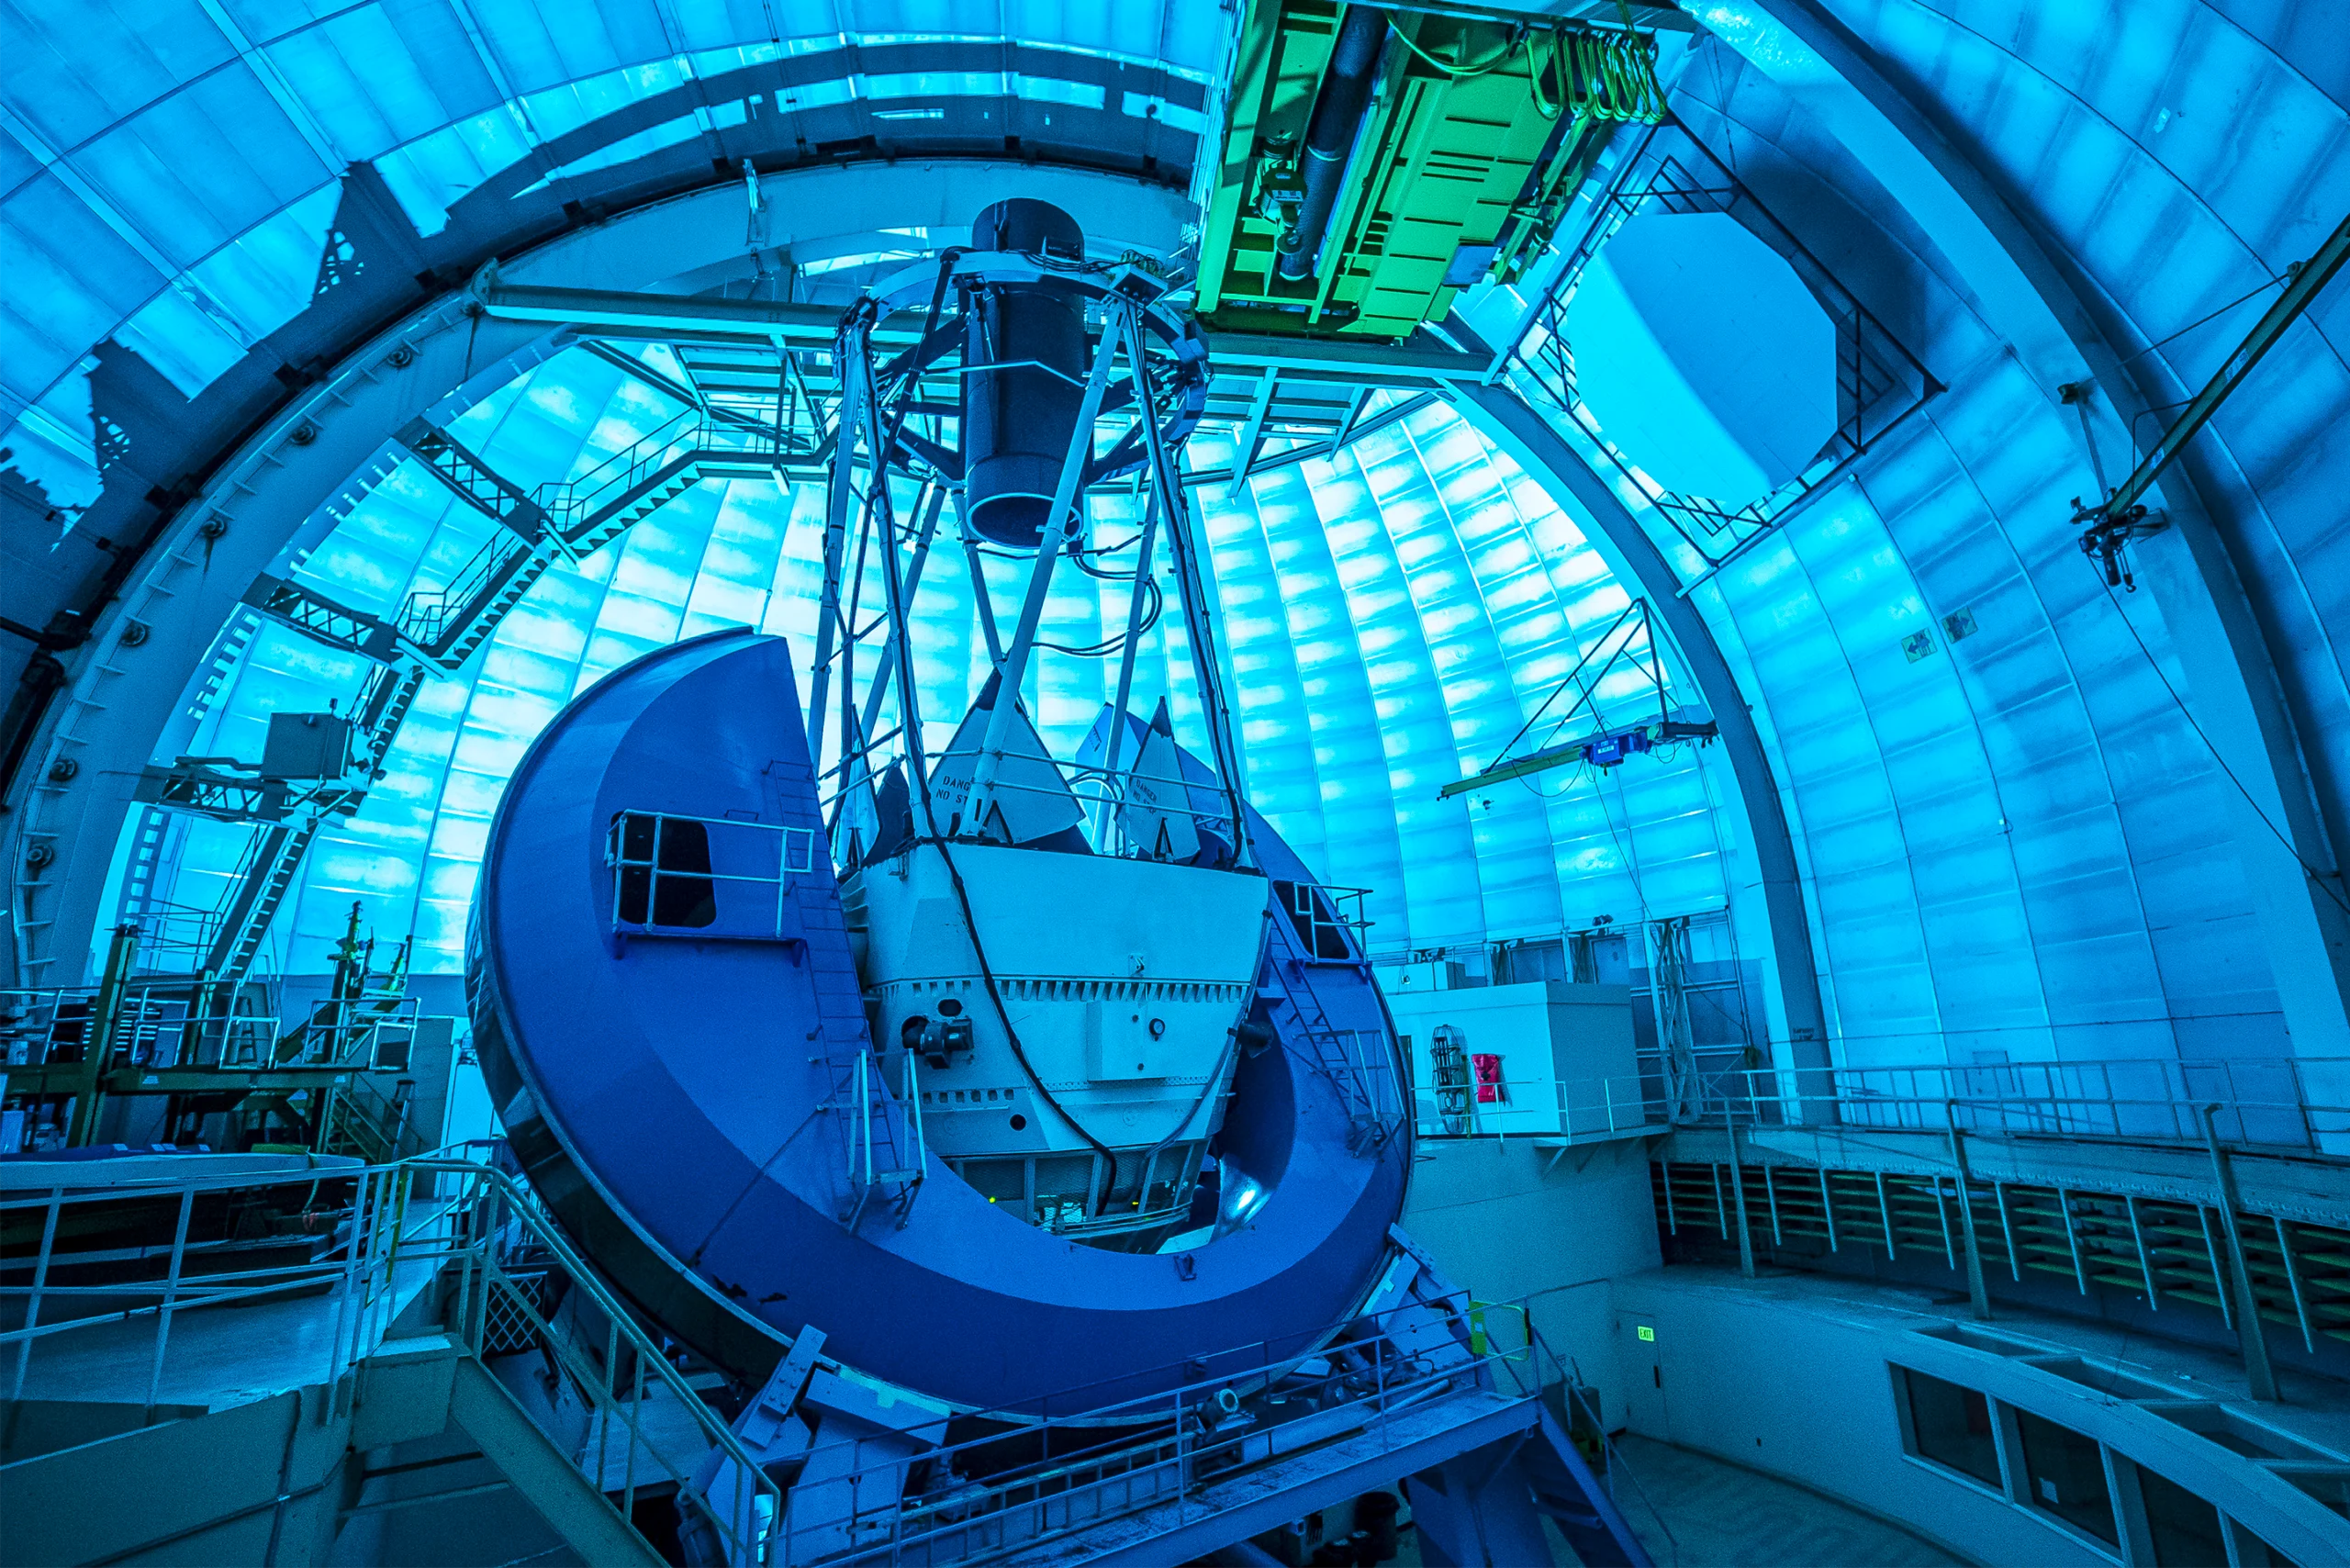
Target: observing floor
point(1722, 1514)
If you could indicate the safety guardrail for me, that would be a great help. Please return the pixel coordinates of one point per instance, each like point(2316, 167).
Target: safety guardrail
point(2292, 1105)
point(1109, 1459)
point(173, 1022)
point(392, 1233)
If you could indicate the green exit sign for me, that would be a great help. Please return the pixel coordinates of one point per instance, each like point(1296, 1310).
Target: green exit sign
point(1647, 1333)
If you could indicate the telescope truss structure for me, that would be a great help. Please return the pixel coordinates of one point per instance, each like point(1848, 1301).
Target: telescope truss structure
point(1148, 369)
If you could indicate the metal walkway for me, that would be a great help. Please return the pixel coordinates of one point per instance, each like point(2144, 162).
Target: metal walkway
point(447, 1302)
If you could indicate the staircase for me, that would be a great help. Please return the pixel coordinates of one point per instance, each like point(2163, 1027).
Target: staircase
point(1307, 1032)
point(363, 1123)
point(269, 869)
point(450, 623)
point(592, 510)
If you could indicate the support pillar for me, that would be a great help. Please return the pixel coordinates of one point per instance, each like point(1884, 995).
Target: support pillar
point(2250, 1336)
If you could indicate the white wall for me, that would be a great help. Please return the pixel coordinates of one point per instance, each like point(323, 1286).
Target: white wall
point(1506, 1218)
point(1790, 1376)
point(1564, 1047)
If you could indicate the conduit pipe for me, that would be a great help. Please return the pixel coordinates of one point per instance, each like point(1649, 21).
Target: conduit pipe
point(1338, 109)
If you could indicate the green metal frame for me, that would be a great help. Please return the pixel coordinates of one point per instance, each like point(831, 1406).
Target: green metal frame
point(1478, 136)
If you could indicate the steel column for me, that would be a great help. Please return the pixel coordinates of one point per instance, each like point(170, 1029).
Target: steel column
point(2251, 1337)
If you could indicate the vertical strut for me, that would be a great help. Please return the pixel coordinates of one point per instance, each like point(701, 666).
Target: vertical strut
point(1127, 660)
point(1067, 517)
point(849, 353)
point(1173, 503)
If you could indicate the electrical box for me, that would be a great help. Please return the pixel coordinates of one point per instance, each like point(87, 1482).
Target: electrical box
point(1545, 1057)
point(307, 746)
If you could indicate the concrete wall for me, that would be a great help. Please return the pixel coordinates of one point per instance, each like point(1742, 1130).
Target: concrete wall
point(1791, 1376)
point(1507, 1218)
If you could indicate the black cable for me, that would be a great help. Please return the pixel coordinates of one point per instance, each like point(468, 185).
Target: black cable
point(995, 996)
point(1104, 648)
point(1117, 548)
point(2223, 310)
point(987, 976)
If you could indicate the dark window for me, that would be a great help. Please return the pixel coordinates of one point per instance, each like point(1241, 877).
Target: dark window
point(663, 866)
point(1951, 1426)
point(2186, 1528)
point(2065, 1475)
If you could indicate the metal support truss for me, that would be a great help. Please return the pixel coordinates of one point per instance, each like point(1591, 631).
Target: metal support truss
point(1148, 369)
point(324, 620)
point(1622, 640)
point(201, 786)
point(470, 479)
point(1879, 382)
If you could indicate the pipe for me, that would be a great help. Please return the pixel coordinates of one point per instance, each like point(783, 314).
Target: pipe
point(1338, 109)
point(1020, 422)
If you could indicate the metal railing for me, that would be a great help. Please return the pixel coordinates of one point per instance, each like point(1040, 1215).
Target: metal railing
point(426, 615)
point(179, 1022)
point(2284, 1103)
point(1541, 1107)
point(903, 1170)
point(1271, 1401)
point(451, 1241)
point(54, 1024)
point(505, 1250)
point(571, 502)
point(360, 1222)
point(694, 857)
point(1328, 918)
point(467, 1241)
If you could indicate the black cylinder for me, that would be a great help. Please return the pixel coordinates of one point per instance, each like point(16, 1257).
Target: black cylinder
point(1018, 422)
point(1330, 134)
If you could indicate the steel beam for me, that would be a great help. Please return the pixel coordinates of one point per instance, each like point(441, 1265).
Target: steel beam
point(1422, 365)
point(324, 620)
point(2251, 1334)
point(2308, 278)
point(472, 480)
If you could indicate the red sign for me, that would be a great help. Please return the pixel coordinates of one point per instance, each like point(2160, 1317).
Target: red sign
point(1486, 1066)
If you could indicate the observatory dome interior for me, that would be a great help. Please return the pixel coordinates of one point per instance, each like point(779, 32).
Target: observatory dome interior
point(1751, 598)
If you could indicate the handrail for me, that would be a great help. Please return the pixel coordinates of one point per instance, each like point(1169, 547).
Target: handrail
point(1184, 1435)
point(683, 433)
point(2154, 1100)
point(523, 1209)
point(388, 1228)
